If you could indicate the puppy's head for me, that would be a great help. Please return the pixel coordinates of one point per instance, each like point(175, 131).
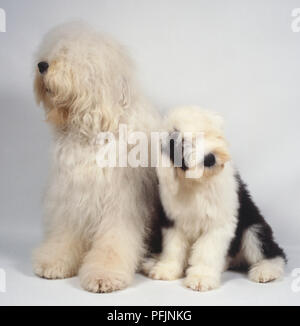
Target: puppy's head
point(82, 79)
point(196, 146)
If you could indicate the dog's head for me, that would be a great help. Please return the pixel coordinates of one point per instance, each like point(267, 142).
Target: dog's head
point(82, 78)
point(196, 146)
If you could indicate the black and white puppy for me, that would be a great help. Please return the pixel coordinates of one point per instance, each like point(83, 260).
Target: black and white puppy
point(210, 223)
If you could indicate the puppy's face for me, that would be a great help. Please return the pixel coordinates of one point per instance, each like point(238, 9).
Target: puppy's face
point(198, 166)
point(216, 153)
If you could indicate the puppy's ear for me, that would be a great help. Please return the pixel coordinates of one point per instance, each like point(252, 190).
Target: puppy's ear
point(173, 148)
point(168, 178)
point(222, 155)
point(218, 121)
point(125, 99)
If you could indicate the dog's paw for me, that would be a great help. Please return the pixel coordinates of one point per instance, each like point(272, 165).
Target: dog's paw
point(165, 271)
point(202, 282)
point(54, 269)
point(147, 265)
point(101, 281)
point(266, 271)
point(55, 262)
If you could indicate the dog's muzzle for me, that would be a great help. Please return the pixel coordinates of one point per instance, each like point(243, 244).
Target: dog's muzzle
point(43, 67)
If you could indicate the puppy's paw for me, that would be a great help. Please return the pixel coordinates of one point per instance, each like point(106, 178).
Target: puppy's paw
point(198, 282)
point(167, 271)
point(98, 280)
point(54, 269)
point(266, 271)
point(147, 265)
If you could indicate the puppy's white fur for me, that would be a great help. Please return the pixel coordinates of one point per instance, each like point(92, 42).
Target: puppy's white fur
point(96, 218)
point(205, 214)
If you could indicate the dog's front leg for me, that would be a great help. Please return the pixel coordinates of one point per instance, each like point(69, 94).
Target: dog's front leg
point(112, 261)
point(59, 256)
point(207, 260)
point(172, 261)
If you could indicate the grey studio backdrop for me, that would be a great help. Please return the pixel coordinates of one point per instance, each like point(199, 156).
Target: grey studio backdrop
point(239, 58)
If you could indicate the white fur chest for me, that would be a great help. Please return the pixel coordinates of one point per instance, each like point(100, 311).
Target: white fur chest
point(78, 184)
point(191, 213)
point(198, 209)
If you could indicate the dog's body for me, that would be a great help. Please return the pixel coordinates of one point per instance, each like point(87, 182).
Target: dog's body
point(97, 219)
point(212, 222)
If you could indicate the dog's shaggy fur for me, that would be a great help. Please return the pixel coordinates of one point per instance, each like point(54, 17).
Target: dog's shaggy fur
point(212, 222)
point(96, 218)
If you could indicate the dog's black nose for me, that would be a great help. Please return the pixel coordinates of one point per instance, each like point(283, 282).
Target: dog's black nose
point(209, 160)
point(43, 67)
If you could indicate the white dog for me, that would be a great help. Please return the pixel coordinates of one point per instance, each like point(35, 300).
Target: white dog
point(211, 222)
point(96, 218)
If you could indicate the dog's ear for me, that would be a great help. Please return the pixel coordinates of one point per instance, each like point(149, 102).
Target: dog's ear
point(58, 117)
point(125, 93)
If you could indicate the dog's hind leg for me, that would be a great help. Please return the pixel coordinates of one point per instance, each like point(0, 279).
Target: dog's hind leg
point(267, 270)
point(265, 258)
point(253, 245)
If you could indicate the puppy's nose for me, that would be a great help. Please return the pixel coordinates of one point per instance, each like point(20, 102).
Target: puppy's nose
point(43, 66)
point(209, 160)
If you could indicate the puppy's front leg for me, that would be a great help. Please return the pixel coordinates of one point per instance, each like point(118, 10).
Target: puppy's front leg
point(207, 260)
point(112, 261)
point(172, 261)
